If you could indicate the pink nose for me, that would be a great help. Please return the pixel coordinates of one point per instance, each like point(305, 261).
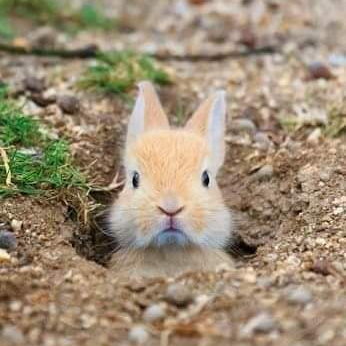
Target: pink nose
point(171, 213)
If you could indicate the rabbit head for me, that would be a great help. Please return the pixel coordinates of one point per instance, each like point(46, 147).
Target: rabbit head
point(171, 197)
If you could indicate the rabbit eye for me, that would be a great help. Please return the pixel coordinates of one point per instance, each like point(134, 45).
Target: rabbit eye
point(135, 180)
point(205, 179)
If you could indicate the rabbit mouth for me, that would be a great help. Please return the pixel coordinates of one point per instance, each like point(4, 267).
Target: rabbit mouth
point(171, 237)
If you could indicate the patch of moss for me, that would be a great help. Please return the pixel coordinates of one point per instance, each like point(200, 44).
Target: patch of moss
point(6, 31)
point(288, 123)
point(119, 72)
point(336, 123)
point(53, 12)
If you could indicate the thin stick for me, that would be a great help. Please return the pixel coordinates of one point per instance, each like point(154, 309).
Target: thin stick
point(87, 52)
point(92, 51)
point(7, 166)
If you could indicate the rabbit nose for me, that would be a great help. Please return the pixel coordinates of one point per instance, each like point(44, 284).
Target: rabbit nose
point(171, 213)
point(170, 204)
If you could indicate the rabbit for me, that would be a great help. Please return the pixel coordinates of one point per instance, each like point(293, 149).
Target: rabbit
point(170, 216)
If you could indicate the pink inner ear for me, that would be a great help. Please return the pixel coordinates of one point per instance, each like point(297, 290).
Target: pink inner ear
point(154, 115)
point(199, 120)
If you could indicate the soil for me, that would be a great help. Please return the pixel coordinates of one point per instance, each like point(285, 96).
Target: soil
point(287, 187)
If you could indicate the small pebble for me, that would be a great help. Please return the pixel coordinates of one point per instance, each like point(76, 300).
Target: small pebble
point(248, 38)
point(16, 225)
point(34, 84)
point(337, 60)
point(315, 136)
point(12, 335)
point(249, 277)
point(262, 141)
point(299, 295)
point(4, 256)
point(325, 174)
point(265, 282)
point(8, 240)
point(44, 36)
point(319, 70)
point(68, 104)
point(264, 173)
point(197, 2)
point(178, 295)
point(246, 125)
point(138, 335)
point(262, 323)
point(322, 267)
point(41, 100)
point(154, 313)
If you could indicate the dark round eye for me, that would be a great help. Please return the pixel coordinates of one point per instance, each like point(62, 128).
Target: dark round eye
point(205, 179)
point(135, 180)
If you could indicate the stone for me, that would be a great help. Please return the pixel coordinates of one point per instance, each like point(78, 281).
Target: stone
point(264, 173)
point(34, 84)
point(12, 335)
point(8, 240)
point(16, 225)
point(4, 256)
point(315, 136)
point(138, 335)
point(261, 323)
point(299, 295)
point(318, 70)
point(243, 125)
point(154, 313)
point(262, 141)
point(178, 295)
point(68, 104)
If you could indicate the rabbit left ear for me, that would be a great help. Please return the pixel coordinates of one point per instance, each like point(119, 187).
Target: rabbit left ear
point(210, 121)
point(147, 114)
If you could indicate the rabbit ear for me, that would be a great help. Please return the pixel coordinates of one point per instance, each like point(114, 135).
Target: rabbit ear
point(147, 113)
point(210, 121)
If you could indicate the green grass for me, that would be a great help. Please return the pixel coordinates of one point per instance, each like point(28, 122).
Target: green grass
point(35, 163)
point(119, 72)
point(336, 122)
point(6, 31)
point(335, 127)
point(289, 123)
point(57, 13)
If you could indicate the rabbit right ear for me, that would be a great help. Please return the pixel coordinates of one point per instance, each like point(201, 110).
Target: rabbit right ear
point(210, 121)
point(147, 114)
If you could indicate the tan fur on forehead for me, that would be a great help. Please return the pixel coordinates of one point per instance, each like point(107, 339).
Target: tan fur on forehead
point(170, 155)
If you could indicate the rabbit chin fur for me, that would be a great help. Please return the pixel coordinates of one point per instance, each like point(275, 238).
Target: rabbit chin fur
point(156, 262)
point(169, 162)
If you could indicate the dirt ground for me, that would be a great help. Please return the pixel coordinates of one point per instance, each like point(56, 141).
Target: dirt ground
point(287, 187)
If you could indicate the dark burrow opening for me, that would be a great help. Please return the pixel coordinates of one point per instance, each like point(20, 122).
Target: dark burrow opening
point(92, 239)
